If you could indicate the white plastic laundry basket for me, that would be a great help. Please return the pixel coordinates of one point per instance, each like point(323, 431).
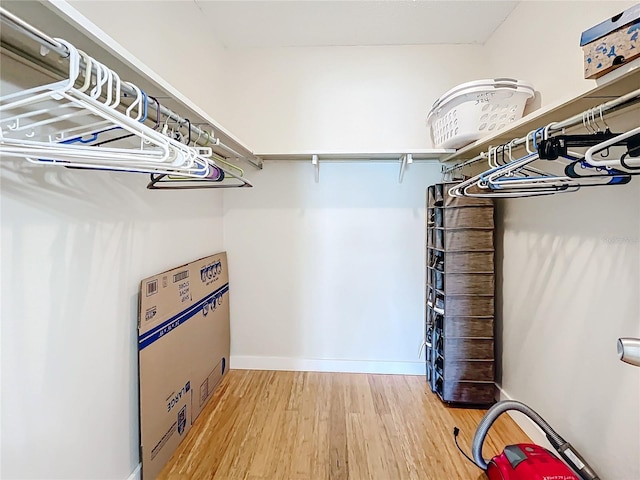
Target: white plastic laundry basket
point(475, 109)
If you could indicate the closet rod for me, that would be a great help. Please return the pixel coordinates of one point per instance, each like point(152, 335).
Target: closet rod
point(50, 43)
point(32, 32)
point(607, 107)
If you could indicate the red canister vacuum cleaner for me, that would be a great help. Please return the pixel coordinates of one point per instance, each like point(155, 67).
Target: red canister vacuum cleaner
point(526, 461)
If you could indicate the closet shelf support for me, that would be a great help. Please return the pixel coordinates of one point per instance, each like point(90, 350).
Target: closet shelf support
point(405, 160)
point(316, 164)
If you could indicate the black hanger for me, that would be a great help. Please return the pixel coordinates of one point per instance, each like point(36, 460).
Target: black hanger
point(626, 165)
point(571, 170)
point(633, 150)
point(160, 182)
point(553, 147)
point(189, 131)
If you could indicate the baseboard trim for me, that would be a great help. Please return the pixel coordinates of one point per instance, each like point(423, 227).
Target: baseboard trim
point(136, 474)
point(534, 432)
point(247, 362)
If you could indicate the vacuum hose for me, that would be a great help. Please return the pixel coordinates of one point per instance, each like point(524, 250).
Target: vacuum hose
point(564, 448)
point(629, 350)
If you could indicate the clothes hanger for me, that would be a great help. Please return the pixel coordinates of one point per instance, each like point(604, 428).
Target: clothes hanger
point(94, 135)
point(162, 182)
point(631, 137)
point(495, 182)
point(510, 168)
point(53, 115)
point(114, 82)
point(155, 127)
point(157, 154)
point(220, 159)
point(140, 105)
point(56, 111)
point(57, 91)
point(494, 185)
point(216, 173)
point(35, 94)
point(188, 141)
point(90, 131)
point(17, 101)
point(580, 168)
point(213, 180)
point(88, 63)
point(463, 189)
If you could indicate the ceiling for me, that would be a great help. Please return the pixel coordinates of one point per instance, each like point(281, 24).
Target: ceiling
point(304, 23)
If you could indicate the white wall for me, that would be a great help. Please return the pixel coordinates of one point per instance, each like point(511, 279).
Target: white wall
point(337, 99)
point(75, 245)
point(571, 278)
point(281, 100)
point(539, 42)
point(172, 38)
point(327, 275)
point(342, 98)
point(334, 271)
point(570, 273)
point(330, 275)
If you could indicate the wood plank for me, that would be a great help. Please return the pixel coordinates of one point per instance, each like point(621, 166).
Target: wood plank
point(338, 453)
point(330, 426)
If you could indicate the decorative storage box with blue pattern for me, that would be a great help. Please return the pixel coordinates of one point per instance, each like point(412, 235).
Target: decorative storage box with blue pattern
point(611, 43)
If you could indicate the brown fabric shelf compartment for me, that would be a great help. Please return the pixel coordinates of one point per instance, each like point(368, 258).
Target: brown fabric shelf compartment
point(461, 348)
point(467, 240)
point(469, 370)
point(472, 393)
point(479, 217)
point(460, 297)
point(461, 262)
point(431, 196)
point(468, 327)
point(468, 306)
point(466, 283)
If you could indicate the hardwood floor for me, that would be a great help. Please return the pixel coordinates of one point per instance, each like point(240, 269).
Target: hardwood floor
point(265, 425)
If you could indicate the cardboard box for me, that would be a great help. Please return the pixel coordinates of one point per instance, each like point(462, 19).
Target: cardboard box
point(183, 352)
point(611, 43)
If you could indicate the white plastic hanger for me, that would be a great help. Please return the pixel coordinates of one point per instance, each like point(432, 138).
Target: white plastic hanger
point(63, 91)
point(39, 135)
point(633, 162)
